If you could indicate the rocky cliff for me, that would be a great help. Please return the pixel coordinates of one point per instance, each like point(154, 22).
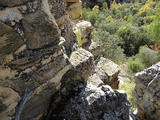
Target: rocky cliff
point(43, 72)
point(147, 93)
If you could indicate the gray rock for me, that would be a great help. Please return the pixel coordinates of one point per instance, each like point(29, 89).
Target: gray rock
point(111, 69)
point(12, 2)
point(9, 40)
point(147, 92)
point(42, 29)
point(94, 103)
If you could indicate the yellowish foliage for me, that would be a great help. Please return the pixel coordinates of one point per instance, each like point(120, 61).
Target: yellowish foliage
point(79, 37)
point(146, 7)
point(95, 8)
point(121, 19)
point(109, 19)
point(115, 5)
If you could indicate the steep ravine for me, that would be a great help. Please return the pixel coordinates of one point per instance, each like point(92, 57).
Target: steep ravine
point(45, 75)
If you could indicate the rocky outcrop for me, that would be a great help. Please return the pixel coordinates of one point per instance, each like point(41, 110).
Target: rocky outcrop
point(147, 93)
point(89, 102)
point(74, 9)
point(91, 99)
point(42, 68)
point(84, 30)
point(37, 47)
point(111, 70)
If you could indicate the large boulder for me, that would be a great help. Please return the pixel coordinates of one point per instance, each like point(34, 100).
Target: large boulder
point(111, 70)
point(42, 29)
point(147, 93)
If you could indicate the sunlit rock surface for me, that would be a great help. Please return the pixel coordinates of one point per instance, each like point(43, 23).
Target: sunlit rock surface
point(42, 68)
point(147, 93)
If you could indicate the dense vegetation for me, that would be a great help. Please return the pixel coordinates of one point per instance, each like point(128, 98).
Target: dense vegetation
point(123, 29)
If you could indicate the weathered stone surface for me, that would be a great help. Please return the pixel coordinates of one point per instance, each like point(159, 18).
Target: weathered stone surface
point(147, 93)
point(41, 64)
point(75, 10)
point(95, 49)
point(85, 28)
point(111, 69)
point(42, 29)
point(80, 56)
point(8, 102)
point(92, 103)
point(12, 2)
point(10, 14)
point(97, 77)
point(9, 40)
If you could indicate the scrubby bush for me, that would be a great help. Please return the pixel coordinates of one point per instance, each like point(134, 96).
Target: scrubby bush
point(79, 37)
point(122, 29)
point(133, 38)
point(128, 86)
point(145, 58)
point(154, 28)
point(128, 21)
point(148, 56)
point(135, 65)
point(109, 45)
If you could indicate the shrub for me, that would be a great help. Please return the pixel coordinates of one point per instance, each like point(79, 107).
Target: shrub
point(111, 26)
point(109, 45)
point(145, 58)
point(148, 56)
point(133, 37)
point(128, 86)
point(135, 65)
point(128, 21)
point(154, 29)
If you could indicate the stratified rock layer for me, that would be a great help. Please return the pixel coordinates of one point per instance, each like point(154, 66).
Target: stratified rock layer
point(147, 93)
point(42, 67)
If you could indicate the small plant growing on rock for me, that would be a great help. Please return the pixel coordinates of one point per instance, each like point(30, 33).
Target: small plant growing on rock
point(79, 37)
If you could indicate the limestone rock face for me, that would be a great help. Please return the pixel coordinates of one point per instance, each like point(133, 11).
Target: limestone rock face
point(12, 2)
point(40, 28)
point(35, 51)
point(85, 28)
point(75, 10)
point(147, 93)
point(8, 102)
point(9, 40)
point(42, 67)
point(111, 69)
